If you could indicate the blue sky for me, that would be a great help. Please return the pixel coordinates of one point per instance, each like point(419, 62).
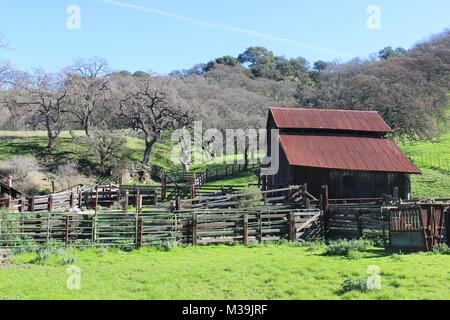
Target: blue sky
point(176, 34)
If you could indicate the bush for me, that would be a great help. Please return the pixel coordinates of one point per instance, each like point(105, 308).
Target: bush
point(343, 247)
point(441, 248)
point(43, 255)
point(168, 245)
point(355, 284)
point(26, 174)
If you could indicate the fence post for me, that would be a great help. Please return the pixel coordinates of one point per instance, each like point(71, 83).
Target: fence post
point(140, 233)
point(67, 232)
point(138, 202)
point(194, 229)
point(50, 203)
point(94, 229)
point(292, 231)
point(96, 199)
point(72, 199)
point(125, 202)
point(32, 204)
point(245, 229)
point(260, 226)
point(164, 186)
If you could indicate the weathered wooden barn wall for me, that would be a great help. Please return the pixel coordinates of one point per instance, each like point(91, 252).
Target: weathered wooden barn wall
point(351, 184)
point(341, 184)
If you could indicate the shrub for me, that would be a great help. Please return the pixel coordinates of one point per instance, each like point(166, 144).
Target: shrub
point(343, 247)
point(441, 248)
point(355, 284)
point(70, 259)
point(26, 174)
point(68, 176)
point(42, 255)
point(168, 245)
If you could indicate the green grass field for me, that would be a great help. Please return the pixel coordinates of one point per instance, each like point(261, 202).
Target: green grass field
point(222, 272)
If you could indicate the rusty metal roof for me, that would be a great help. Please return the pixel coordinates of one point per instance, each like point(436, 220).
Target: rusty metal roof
point(346, 153)
point(289, 118)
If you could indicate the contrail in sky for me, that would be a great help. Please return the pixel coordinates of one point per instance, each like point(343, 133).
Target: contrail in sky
point(222, 27)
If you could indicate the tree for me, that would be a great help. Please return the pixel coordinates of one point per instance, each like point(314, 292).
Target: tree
point(294, 69)
point(388, 52)
point(45, 93)
point(320, 66)
point(107, 149)
point(87, 89)
point(151, 106)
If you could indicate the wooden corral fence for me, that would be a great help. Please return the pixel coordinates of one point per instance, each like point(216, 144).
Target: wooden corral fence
point(293, 194)
point(143, 228)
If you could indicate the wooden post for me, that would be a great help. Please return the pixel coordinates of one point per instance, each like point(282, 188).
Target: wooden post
point(96, 199)
point(53, 186)
point(67, 232)
point(292, 230)
point(194, 229)
point(32, 204)
point(164, 186)
point(125, 202)
point(50, 203)
point(138, 202)
point(245, 229)
point(325, 203)
point(73, 197)
point(265, 198)
point(86, 198)
point(177, 204)
point(140, 234)
point(94, 229)
point(193, 191)
point(260, 226)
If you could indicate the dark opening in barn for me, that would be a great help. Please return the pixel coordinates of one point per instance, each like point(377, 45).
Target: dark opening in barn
point(349, 151)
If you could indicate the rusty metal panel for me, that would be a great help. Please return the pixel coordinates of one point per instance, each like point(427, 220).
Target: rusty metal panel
point(420, 227)
point(346, 153)
point(328, 119)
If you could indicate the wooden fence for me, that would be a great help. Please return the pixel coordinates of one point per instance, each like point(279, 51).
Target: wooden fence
point(147, 227)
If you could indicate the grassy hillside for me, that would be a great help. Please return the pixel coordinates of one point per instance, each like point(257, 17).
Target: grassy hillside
point(432, 158)
point(223, 272)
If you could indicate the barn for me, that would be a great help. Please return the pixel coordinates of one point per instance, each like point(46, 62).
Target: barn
point(349, 151)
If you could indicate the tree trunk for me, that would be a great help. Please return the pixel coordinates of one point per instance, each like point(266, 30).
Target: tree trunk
point(86, 125)
point(50, 135)
point(246, 160)
point(148, 150)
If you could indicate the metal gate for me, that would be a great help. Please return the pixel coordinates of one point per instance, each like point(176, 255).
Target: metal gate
point(418, 227)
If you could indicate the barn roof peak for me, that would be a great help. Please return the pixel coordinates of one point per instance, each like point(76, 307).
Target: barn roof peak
point(329, 119)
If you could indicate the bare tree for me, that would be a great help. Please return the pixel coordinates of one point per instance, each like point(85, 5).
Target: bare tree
point(151, 106)
point(46, 95)
point(87, 89)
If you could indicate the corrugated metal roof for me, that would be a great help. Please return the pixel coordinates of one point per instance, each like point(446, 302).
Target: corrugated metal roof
point(346, 153)
point(289, 118)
